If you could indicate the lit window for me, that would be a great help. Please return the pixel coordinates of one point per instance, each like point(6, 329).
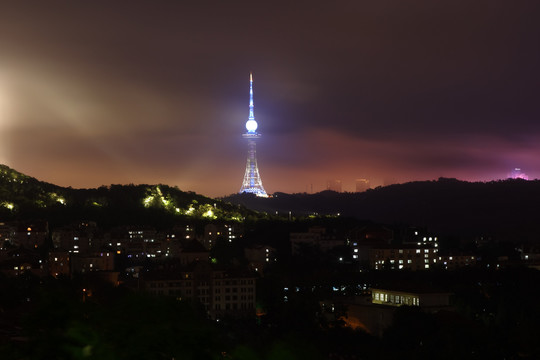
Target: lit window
point(418, 251)
point(427, 266)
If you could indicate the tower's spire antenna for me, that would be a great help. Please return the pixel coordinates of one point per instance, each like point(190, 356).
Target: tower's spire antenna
point(251, 115)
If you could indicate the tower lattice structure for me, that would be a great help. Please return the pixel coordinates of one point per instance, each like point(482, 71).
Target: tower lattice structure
point(252, 180)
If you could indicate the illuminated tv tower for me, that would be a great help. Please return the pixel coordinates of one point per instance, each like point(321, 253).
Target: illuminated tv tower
point(252, 180)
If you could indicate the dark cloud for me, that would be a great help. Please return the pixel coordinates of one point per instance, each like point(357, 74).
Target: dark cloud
point(111, 91)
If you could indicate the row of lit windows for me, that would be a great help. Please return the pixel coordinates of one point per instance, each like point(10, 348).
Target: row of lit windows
point(396, 299)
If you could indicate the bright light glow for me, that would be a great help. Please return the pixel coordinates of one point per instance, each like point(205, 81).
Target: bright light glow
point(58, 198)
point(8, 205)
point(209, 214)
point(251, 126)
point(518, 174)
point(148, 200)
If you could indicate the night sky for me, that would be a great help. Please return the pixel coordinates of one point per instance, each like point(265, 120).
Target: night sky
point(114, 92)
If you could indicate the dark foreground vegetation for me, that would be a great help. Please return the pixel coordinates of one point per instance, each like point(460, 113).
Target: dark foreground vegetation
point(494, 316)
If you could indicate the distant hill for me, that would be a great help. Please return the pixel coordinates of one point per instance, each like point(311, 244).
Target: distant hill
point(506, 210)
point(24, 197)
point(503, 210)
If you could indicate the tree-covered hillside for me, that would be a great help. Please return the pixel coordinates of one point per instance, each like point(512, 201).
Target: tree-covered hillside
point(506, 210)
point(24, 197)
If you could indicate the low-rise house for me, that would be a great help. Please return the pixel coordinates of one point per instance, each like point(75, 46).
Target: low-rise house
point(31, 235)
point(21, 260)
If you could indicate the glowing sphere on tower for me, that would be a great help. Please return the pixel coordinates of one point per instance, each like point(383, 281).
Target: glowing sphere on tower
point(251, 125)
